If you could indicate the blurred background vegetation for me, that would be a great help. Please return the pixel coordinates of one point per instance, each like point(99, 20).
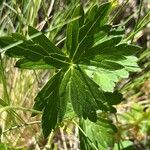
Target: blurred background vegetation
point(19, 87)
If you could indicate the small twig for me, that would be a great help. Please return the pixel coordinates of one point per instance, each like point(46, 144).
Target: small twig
point(3, 76)
point(18, 108)
point(60, 41)
point(21, 125)
point(48, 145)
point(63, 139)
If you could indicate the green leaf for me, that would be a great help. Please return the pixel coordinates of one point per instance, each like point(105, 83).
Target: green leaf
point(85, 45)
point(48, 100)
point(90, 28)
point(127, 145)
point(2, 102)
point(57, 60)
point(90, 15)
point(130, 64)
point(73, 29)
point(3, 147)
point(1, 2)
point(85, 109)
point(81, 97)
point(64, 94)
point(110, 57)
point(26, 49)
point(35, 53)
point(105, 133)
point(102, 33)
point(95, 19)
point(118, 31)
point(18, 36)
point(101, 45)
point(114, 98)
point(101, 134)
point(109, 65)
point(50, 113)
point(107, 78)
point(43, 41)
point(121, 49)
point(27, 64)
point(84, 143)
point(95, 60)
point(43, 96)
point(86, 96)
point(6, 41)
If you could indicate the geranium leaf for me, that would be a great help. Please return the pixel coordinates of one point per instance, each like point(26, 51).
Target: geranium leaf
point(114, 98)
point(42, 97)
point(88, 67)
point(101, 45)
point(121, 49)
point(26, 49)
point(73, 30)
point(43, 41)
point(90, 28)
point(103, 138)
point(27, 64)
point(57, 60)
point(50, 113)
point(64, 94)
point(110, 65)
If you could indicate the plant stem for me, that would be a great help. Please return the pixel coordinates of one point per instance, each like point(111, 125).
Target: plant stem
point(138, 19)
point(18, 108)
point(145, 17)
point(85, 135)
point(21, 125)
point(63, 139)
point(131, 36)
point(119, 148)
point(48, 145)
point(6, 95)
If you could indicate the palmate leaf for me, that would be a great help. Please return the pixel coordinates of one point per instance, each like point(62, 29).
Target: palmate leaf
point(90, 28)
point(27, 64)
point(107, 78)
point(34, 51)
point(85, 97)
point(42, 97)
point(73, 30)
point(93, 61)
point(43, 41)
point(101, 134)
